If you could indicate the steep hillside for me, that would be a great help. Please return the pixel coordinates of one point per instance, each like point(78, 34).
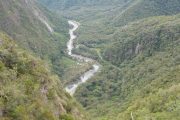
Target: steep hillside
point(140, 74)
point(24, 19)
point(35, 29)
point(28, 90)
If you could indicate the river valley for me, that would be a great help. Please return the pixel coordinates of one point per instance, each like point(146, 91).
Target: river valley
point(71, 89)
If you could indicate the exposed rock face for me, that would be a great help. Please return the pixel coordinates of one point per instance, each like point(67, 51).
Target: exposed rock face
point(39, 15)
point(138, 49)
point(1, 112)
point(43, 20)
point(1, 42)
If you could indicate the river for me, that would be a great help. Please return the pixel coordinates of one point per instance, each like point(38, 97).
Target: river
point(71, 88)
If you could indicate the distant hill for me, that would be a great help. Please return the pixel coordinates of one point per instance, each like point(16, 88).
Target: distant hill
point(145, 8)
point(121, 11)
point(65, 4)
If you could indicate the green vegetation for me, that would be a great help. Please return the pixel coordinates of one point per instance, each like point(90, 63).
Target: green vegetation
point(137, 43)
point(28, 90)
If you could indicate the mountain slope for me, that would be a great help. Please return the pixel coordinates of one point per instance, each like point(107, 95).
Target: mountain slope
point(24, 21)
point(28, 90)
point(141, 70)
point(145, 36)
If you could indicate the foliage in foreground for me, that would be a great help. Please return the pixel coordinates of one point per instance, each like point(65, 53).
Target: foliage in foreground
point(28, 90)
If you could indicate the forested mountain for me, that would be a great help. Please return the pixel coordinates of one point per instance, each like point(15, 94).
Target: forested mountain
point(145, 79)
point(136, 44)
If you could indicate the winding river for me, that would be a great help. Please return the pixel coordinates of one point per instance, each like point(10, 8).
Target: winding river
point(71, 89)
